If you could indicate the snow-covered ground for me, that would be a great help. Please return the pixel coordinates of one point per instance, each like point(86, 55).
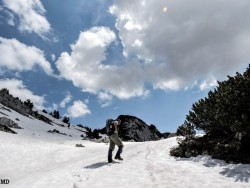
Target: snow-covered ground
point(35, 158)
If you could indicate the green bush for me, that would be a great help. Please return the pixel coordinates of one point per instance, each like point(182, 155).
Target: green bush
point(224, 117)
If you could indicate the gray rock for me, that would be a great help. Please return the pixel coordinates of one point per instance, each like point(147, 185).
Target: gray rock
point(9, 123)
point(79, 145)
point(6, 124)
point(133, 128)
point(6, 129)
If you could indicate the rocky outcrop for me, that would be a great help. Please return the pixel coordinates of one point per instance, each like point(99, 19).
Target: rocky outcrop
point(133, 128)
point(55, 131)
point(6, 124)
point(42, 118)
point(14, 103)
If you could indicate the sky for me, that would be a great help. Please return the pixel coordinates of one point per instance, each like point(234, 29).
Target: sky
point(94, 60)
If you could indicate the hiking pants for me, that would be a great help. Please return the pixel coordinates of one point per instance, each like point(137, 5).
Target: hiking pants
point(115, 140)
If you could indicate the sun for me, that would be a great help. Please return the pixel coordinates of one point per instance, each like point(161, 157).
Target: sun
point(165, 9)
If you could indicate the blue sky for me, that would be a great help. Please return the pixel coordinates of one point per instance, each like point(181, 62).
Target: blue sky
point(98, 59)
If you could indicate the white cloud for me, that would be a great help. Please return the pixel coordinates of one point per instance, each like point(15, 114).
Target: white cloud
point(105, 99)
point(178, 46)
point(167, 85)
point(31, 16)
point(85, 69)
point(17, 56)
point(189, 41)
point(53, 57)
point(209, 83)
point(66, 100)
point(10, 18)
point(18, 89)
point(54, 106)
point(86, 101)
point(78, 109)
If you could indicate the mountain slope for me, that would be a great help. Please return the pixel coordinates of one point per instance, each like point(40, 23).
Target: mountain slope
point(35, 128)
point(36, 158)
point(37, 163)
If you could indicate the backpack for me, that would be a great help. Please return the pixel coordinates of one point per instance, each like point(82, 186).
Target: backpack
point(110, 127)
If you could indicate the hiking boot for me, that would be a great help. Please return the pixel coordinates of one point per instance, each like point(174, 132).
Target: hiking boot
point(119, 158)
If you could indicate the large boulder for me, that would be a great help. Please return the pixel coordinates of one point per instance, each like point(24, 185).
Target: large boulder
point(6, 124)
point(133, 128)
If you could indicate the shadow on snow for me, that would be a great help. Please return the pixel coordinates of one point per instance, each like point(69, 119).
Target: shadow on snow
point(241, 172)
point(99, 165)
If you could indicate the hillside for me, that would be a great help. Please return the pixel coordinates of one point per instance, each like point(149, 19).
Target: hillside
point(132, 128)
point(45, 127)
point(36, 158)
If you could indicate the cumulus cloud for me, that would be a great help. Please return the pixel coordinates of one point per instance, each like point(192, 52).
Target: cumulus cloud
point(66, 100)
point(78, 109)
point(17, 56)
point(183, 41)
point(105, 99)
point(84, 67)
point(209, 83)
point(31, 16)
point(167, 44)
point(10, 18)
point(53, 57)
point(18, 89)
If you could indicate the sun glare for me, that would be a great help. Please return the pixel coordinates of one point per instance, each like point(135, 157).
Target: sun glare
point(165, 9)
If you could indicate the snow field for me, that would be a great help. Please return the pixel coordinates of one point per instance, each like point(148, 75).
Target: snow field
point(37, 159)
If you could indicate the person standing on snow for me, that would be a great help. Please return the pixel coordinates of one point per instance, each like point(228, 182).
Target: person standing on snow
point(115, 140)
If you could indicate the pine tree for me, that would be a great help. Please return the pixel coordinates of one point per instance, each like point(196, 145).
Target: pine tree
point(66, 119)
point(56, 114)
point(224, 116)
point(29, 104)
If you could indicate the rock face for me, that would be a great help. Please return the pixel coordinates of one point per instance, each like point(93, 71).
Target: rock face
point(14, 103)
point(133, 128)
point(6, 124)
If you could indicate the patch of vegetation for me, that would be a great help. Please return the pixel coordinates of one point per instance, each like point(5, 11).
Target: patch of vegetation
point(224, 117)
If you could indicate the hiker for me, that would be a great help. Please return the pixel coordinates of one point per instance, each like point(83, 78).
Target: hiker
point(115, 140)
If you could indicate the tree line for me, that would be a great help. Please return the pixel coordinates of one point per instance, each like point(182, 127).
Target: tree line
point(56, 114)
